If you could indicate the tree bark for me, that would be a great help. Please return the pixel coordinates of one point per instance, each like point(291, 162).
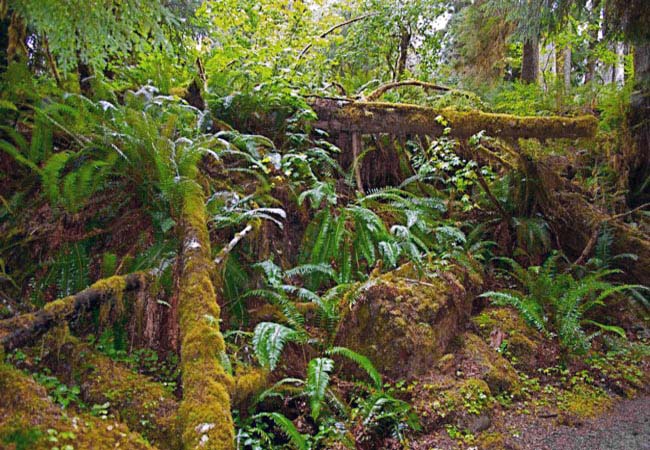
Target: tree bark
point(402, 119)
point(404, 44)
point(639, 123)
point(530, 61)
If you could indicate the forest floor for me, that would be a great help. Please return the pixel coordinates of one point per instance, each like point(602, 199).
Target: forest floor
point(625, 427)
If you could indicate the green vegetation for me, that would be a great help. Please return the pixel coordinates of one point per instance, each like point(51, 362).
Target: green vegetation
point(273, 224)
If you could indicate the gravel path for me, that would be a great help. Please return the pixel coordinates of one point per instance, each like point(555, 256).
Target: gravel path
point(625, 427)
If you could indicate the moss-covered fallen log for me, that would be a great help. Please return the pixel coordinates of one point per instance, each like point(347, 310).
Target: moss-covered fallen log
point(403, 119)
point(142, 404)
point(30, 420)
point(204, 414)
point(25, 329)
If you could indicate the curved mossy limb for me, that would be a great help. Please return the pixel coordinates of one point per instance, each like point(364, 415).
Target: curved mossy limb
point(204, 417)
point(29, 418)
point(25, 329)
point(142, 404)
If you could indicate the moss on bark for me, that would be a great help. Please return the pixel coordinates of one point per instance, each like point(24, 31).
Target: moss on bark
point(204, 417)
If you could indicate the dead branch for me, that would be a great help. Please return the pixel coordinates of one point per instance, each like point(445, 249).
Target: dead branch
point(25, 329)
point(381, 90)
point(232, 244)
point(334, 28)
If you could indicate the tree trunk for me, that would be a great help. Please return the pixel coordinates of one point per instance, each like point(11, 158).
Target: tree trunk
point(530, 61)
point(639, 123)
point(404, 43)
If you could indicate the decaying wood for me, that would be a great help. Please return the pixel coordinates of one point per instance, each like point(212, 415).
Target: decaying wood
point(25, 329)
point(402, 119)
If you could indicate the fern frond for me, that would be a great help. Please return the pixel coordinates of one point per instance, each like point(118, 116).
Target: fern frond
point(530, 310)
point(268, 342)
point(361, 360)
point(318, 378)
point(287, 426)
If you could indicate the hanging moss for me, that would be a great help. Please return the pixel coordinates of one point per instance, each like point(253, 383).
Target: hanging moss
point(204, 418)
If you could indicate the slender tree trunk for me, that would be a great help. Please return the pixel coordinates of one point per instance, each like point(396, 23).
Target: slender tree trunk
point(530, 61)
point(404, 44)
point(567, 68)
point(639, 122)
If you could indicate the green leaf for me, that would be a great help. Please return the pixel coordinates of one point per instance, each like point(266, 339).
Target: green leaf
point(318, 378)
point(297, 439)
point(268, 341)
point(361, 360)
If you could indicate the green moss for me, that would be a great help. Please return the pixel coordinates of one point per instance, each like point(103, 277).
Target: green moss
point(491, 441)
point(204, 417)
point(28, 416)
point(583, 402)
point(522, 341)
point(495, 370)
point(467, 123)
point(248, 383)
point(145, 406)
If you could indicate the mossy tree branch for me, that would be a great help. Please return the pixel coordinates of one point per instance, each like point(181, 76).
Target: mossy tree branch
point(381, 90)
point(25, 329)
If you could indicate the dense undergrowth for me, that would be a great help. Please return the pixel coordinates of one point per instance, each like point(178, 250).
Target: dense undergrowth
point(457, 242)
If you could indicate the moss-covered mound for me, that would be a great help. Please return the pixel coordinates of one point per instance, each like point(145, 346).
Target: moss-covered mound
point(404, 324)
point(29, 420)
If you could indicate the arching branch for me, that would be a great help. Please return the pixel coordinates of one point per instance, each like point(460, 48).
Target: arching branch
point(381, 90)
point(334, 28)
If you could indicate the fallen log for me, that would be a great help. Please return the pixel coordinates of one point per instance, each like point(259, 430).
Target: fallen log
point(402, 119)
point(204, 418)
point(23, 330)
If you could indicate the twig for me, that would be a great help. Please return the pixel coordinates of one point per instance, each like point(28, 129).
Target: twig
point(334, 28)
point(232, 244)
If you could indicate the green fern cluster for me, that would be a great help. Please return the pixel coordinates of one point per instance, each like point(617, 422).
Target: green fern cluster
point(559, 303)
